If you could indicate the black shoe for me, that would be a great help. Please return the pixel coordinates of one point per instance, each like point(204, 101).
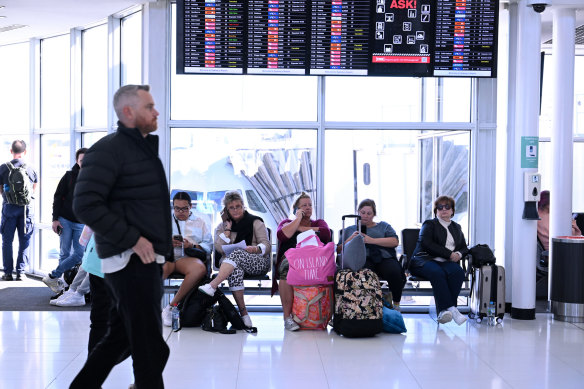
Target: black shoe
point(20, 276)
point(7, 277)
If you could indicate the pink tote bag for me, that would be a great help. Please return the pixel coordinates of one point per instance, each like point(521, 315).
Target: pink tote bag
point(311, 265)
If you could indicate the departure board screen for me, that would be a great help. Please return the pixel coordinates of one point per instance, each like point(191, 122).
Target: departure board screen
point(277, 37)
point(400, 38)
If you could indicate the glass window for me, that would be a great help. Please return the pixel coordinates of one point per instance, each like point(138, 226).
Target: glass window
point(131, 49)
point(94, 79)
point(579, 96)
point(89, 138)
point(375, 164)
point(269, 167)
point(373, 99)
point(14, 78)
point(55, 161)
point(55, 86)
point(237, 97)
point(49, 257)
point(456, 99)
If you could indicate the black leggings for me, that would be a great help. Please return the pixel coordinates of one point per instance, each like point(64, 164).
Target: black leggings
point(391, 271)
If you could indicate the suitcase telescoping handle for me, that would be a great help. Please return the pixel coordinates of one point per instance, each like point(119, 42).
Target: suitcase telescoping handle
point(358, 223)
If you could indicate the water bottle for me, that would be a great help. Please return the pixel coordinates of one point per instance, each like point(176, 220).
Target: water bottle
point(491, 318)
point(179, 251)
point(175, 318)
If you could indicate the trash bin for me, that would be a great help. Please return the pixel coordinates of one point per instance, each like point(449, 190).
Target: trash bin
point(567, 289)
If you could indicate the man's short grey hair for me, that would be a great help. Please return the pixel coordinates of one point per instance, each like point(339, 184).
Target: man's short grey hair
point(126, 93)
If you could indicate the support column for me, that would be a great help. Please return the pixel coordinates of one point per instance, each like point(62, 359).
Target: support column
point(526, 115)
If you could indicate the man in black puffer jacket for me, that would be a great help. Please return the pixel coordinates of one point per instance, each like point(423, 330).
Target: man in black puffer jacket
point(122, 195)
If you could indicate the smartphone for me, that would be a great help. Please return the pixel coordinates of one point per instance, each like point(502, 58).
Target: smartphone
point(363, 229)
point(59, 230)
point(178, 237)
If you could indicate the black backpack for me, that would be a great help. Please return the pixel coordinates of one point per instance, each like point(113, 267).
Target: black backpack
point(193, 308)
point(19, 185)
point(481, 255)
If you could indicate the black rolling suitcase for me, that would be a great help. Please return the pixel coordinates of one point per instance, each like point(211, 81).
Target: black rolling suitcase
point(358, 301)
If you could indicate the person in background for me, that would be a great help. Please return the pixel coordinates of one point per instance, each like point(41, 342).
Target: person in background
point(194, 237)
point(286, 234)
point(16, 217)
point(380, 243)
point(543, 225)
point(66, 225)
point(239, 226)
point(122, 195)
point(440, 247)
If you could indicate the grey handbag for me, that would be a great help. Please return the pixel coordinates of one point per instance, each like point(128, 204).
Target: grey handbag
point(353, 255)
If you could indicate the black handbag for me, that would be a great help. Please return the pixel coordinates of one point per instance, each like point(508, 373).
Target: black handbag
point(214, 320)
point(193, 308)
point(232, 315)
point(481, 255)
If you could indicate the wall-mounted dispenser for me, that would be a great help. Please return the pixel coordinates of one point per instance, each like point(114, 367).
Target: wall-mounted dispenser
point(531, 195)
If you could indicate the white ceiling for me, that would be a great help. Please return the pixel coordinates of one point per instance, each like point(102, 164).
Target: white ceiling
point(45, 18)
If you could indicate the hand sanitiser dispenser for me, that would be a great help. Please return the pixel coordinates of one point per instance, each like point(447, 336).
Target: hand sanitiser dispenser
point(531, 195)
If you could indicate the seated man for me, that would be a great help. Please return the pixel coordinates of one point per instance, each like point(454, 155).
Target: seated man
point(191, 233)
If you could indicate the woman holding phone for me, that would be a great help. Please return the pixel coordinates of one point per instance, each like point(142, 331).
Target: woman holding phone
point(288, 230)
point(380, 243)
point(190, 231)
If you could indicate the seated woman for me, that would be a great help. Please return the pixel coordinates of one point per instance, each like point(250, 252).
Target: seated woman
point(239, 226)
point(189, 231)
point(287, 232)
point(440, 247)
point(380, 243)
point(543, 225)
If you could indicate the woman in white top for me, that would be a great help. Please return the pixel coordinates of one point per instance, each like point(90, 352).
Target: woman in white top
point(192, 241)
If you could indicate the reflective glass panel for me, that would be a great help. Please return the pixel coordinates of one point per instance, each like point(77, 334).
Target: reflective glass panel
point(55, 161)
point(131, 49)
point(55, 82)
point(94, 76)
point(14, 81)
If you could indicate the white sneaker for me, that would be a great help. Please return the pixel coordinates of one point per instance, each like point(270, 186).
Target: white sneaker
point(290, 324)
point(444, 317)
point(55, 284)
point(207, 289)
point(62, 297)
point(246, 320)
point(458, 317)
point(167, 316)
point(74, 300)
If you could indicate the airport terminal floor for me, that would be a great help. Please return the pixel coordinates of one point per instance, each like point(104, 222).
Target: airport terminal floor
point(45, 349)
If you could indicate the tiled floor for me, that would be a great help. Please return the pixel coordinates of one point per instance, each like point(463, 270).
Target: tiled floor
point(47, 349)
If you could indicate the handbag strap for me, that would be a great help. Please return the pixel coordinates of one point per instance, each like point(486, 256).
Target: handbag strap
point(320, 244)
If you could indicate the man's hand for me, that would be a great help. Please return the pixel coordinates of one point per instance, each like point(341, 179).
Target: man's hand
point(56, 224)
point(455, 257)
point(145, 250)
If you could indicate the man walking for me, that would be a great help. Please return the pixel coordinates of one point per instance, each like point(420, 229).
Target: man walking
point(66, 225)
point(122, 195)
point(18, 183)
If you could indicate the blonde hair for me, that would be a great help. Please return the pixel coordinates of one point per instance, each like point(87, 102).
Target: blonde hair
point(296, 202)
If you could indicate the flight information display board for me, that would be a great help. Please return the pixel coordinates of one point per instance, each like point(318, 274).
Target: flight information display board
point(407, 38)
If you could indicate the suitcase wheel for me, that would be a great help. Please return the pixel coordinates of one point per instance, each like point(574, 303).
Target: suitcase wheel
point(478, 319)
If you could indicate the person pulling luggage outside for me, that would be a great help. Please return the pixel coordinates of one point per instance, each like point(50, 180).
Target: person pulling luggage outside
point(66, 225)
point(18, 185)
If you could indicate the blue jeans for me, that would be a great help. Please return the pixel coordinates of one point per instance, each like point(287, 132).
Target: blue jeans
point(446, 279)
point(71, 250)
point(16, 218)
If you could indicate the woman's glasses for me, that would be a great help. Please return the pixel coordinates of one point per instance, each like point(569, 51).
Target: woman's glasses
point(440, 207)
point(235, 207)
point(181, 209)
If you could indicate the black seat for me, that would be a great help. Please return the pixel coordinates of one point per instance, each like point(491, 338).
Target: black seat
point(409, 239)
point(542, 271)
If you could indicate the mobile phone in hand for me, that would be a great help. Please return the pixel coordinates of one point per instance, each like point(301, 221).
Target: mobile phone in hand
point(59, 230)
point(363, 229)
point(178, 237)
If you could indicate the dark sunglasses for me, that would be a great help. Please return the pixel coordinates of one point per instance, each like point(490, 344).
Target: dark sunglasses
point(440, 207)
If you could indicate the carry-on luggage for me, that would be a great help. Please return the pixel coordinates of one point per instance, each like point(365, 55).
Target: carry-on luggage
point(358, 300)
point(488, 293)
point(312, 307)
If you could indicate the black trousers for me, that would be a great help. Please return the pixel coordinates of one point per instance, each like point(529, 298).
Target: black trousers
point(101, 304)
point(135, 323)
point(390, 270)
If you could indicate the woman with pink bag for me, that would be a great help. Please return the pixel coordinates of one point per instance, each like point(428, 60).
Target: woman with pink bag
point(287, 232)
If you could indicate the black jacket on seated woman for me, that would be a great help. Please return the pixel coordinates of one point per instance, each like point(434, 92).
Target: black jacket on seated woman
point(441, 245)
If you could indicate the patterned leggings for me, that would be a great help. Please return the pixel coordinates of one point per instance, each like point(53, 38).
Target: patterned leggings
point(245, 263)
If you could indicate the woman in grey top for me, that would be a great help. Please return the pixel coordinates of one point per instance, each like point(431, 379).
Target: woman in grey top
point(380, 241)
